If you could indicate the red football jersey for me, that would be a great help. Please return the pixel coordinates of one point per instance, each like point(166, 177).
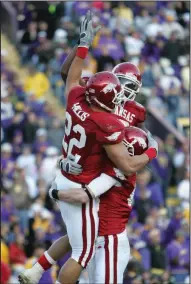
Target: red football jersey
point(85, 133)
point(133, 112)
point(115, 205)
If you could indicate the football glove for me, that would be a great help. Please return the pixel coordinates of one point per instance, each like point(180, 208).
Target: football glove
point(69, 165)
point(87, 31)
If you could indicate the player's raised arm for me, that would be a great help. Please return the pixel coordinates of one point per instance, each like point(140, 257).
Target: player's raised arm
point(66, 66)
point(76, 67)
point(131, 164)
point(87, 33)
point(67, 63)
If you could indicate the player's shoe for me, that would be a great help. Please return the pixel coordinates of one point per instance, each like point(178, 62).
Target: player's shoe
point(30, 276)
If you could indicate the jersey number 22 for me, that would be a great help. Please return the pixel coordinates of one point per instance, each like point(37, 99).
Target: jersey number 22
point(73, 142)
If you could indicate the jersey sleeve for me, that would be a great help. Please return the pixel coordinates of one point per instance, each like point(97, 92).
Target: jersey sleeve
point(101, 184)
point(141, 113)
point(108, 129)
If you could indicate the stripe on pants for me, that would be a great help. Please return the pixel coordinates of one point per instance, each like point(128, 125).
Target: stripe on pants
point(84, 234)
point(115, 251)
point(111, 250)
point(88, 233)
point(92, 231)
point(107, 266)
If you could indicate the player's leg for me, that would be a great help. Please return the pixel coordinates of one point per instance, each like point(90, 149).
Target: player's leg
point(90, 271)
point(123, 255)
point(82, 232)
point(112, 255)
point(84, 277)
point(98, 274)
point(57, 250)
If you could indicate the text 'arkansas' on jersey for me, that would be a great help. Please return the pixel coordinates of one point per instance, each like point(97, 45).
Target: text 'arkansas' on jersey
point(133, 112)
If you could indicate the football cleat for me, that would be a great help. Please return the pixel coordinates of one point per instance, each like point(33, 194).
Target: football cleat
point(29, 276)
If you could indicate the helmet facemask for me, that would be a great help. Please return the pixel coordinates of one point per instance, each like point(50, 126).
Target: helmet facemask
point(129, 147)
point(131, 86)
point(120, 97)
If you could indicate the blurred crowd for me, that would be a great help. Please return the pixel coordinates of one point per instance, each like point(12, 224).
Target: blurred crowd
point(153, 35)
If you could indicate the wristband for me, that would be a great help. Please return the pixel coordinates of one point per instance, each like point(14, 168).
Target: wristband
point(82, 52)
point(151, 153)
point(54, 193)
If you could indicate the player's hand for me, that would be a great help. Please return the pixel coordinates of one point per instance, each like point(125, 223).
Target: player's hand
point(69, 165)
point(152, 143)
point(87, 31)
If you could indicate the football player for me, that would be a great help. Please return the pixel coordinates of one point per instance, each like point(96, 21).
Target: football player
point(112, 251)
point(130, 78)
point(90, 129)
point(112, 247)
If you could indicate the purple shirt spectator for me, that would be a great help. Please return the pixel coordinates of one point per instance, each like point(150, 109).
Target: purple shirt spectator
point(41, 143)
point(7, 113)
point(178, 256)
point(155, 191)
point(174, 225)
point(7, 209)
point(40, 146)
point(7, 162)
point(81, 8)
point(17, 143)
point(152, 51)
point(161, 165)
point(36, 107)
point(114, 47)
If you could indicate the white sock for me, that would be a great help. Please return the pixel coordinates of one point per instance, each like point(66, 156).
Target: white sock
point(49, 258)
point(38, 267)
